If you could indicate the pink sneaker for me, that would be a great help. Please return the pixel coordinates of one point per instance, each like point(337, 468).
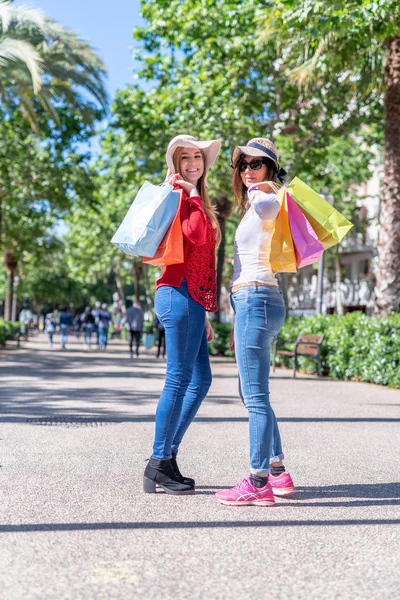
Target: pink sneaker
point(282, 485)
point(245, 493)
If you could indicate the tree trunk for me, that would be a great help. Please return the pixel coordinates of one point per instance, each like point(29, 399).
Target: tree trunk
point(387, 288)
point(224, 209)
point(138, 270)
point(10, 263)
point(220, 267)
point(120, 288)
point(149, 299)
point(9, 295)
point(339, 303)
point(1, 221)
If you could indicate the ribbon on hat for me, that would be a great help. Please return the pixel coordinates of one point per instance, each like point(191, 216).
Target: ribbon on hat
point(265, 150)
point(281, 175)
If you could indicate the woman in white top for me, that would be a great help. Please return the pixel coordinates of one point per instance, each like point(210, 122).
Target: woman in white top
point(260, 312)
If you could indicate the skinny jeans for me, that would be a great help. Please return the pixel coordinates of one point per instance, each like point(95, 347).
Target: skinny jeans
point(260, 314)
point(188, 374)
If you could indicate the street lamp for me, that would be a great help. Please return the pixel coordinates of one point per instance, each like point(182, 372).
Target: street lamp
point(320, 286)
point(320, 279)
point(14, 300)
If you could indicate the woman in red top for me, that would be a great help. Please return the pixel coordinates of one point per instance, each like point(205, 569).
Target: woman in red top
point(184, 293)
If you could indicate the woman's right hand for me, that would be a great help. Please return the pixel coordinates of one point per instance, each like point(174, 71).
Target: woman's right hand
point(189, 188)
point(232, 340)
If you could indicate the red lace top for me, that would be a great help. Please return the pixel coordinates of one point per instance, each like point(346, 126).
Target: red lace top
point(198, 267)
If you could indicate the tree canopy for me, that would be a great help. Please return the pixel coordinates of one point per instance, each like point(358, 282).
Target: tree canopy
point(308, 75)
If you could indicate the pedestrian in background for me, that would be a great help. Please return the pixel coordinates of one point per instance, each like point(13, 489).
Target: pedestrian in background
point(50, 327)
point(134, 318)
point(259, 315)
point(88, 324)
point(26, 319)
point(96, 314)
point(65, 325)
point(118, 311)
point(158, 327)
point(77, 324)
point(103, 324)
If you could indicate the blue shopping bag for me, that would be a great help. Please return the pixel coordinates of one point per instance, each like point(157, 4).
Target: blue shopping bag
point(148, 220)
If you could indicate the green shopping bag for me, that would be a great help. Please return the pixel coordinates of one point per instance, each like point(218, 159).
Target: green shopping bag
point(327, 222)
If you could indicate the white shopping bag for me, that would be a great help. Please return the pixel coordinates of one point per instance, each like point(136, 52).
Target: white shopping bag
point(148, 220)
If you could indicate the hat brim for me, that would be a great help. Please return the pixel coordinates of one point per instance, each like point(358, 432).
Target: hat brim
point(249, 151)
point(210, 148)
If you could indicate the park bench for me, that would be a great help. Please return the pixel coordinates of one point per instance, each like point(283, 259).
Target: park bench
point(306, 345)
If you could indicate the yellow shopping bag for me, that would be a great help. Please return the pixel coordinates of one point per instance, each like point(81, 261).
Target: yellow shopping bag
point(327, 222)
point(282, 256)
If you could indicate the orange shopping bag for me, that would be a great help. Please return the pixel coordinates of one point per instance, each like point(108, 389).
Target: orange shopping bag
point(282, 256)
point(170, 251)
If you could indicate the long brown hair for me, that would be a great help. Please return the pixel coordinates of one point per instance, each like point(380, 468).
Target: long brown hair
point(240, 190)
point(208, 207)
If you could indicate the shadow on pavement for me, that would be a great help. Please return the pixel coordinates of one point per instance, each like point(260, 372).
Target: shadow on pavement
point(106, 416)
point(370, 494)
point(31, 527)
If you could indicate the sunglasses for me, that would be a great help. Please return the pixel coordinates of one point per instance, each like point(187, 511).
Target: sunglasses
point(255, 165)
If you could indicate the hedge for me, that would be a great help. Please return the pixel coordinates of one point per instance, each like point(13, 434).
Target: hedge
point(220, 344)
point(9, 327)
point(355, 346)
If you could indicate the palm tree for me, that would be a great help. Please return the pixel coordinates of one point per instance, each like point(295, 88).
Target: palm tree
point(13, 48)
point(356, 43)
point(44, 69)
point(224, 208)
point(43, 62)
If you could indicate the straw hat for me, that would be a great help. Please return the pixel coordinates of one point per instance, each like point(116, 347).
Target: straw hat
point(257, 147)
point(209, 147)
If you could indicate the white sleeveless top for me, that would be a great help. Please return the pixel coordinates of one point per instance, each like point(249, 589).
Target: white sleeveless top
point(253, 239)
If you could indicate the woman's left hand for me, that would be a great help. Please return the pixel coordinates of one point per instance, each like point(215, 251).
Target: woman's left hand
point(209, 332)
point(265, 186)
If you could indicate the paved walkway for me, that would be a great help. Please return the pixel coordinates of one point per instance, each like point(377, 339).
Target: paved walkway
point(76, 428)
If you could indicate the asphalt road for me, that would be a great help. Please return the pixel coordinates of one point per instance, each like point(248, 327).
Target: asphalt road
point(75, 430)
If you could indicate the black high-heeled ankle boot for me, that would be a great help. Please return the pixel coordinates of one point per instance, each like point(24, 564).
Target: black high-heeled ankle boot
point(177, 472)
point(160, 472)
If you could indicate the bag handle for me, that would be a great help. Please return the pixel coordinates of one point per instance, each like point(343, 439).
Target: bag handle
point(275, 187)
point(279, 189)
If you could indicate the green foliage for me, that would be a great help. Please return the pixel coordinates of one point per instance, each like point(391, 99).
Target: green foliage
point(208, 73)
point(148, 327)
point(219, 78)
point(8, 328)
point(48, 282)
point(38, 182)
point(345, 38)
point(52, 95)
point(220, 344)
point(355, 346)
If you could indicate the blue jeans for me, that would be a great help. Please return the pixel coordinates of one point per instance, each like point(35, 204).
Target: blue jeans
point(277, 452)
point(188, 376)
point(103, 337)
point(64, 334)
point(88, 330)
point(260, 314)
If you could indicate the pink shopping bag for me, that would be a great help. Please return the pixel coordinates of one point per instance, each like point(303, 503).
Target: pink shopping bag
point(307, 247)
